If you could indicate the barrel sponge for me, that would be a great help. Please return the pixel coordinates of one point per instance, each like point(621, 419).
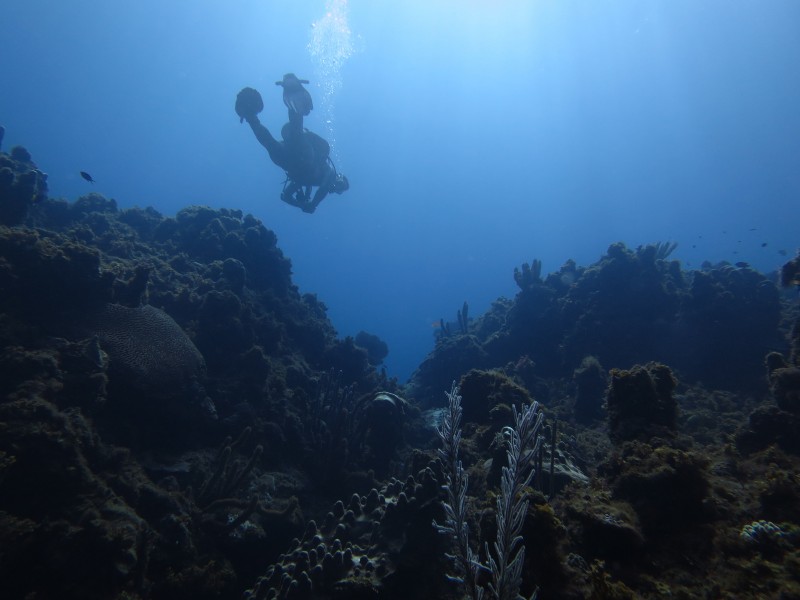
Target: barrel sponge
point(148, 349)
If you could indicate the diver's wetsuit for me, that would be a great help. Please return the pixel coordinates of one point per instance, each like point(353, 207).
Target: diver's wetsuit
point(302, 154)
point(291, 154)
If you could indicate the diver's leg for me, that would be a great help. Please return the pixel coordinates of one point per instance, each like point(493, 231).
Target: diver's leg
point(289, 191)
point(292, 132)
point(319, 196)
point(296, 122)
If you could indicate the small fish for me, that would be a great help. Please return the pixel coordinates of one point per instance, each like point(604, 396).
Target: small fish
point(87, 177)
point(763, 244)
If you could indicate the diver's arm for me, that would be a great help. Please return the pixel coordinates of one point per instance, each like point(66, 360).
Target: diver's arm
point(263, 135)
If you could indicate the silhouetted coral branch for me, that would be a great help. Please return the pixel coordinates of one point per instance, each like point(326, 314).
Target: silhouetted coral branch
point(228, 476)
point(658, 251)
point(529, 274)
point(463, 318)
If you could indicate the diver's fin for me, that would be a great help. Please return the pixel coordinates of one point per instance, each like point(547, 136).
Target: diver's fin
point(298, 100)
point(295, 96)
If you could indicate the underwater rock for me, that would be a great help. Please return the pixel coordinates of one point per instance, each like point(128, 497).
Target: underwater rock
point(21, 185)
point(93, 203)
point(222, 335)
point(452, 357)
point(482, 391)
point(532, 327)
point(770, 425)
point(784, 375)
point(732, 314)
point(784, 385)
point(630, 307)
point(208, 235)
point(47, 279)
point(610, 529)
point(348, 357)
point(667, 487)
point(790, 273)
point(640, 402)
point(591, 381)
point(622, 308)
point(65, 528)
point(376, 348)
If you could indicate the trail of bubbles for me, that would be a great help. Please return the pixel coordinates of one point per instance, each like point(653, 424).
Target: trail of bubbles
point(330, 46)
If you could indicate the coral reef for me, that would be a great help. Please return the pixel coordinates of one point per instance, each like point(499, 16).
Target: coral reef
point(640, 402)
point(21, 185)
point(376, 348)
point(132, 343)
point(371, 547)
point(147, 349)
point(591, 382)
point(779, 423)
point(712, 326)
point(178, 421)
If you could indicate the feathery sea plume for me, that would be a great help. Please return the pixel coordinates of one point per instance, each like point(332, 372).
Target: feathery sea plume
point(508, 558)
point(505, 562)
point(456, 480)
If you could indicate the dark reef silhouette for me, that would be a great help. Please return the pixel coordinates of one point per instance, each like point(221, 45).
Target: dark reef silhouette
point(178, 421)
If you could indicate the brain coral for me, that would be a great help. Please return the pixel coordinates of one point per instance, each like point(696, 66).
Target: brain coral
point(148, 349)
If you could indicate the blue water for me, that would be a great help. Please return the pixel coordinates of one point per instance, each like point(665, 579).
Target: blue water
point(476, 135)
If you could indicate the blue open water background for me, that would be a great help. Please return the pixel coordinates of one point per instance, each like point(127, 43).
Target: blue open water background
point(476, 135)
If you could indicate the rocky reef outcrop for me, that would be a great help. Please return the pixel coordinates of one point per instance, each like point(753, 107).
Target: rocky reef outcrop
point(161, 395)
point(711, 326)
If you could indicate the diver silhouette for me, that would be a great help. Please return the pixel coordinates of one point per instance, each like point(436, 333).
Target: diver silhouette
point(304, 155)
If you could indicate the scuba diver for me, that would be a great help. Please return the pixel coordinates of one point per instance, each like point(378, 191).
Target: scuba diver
point(303, 154)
